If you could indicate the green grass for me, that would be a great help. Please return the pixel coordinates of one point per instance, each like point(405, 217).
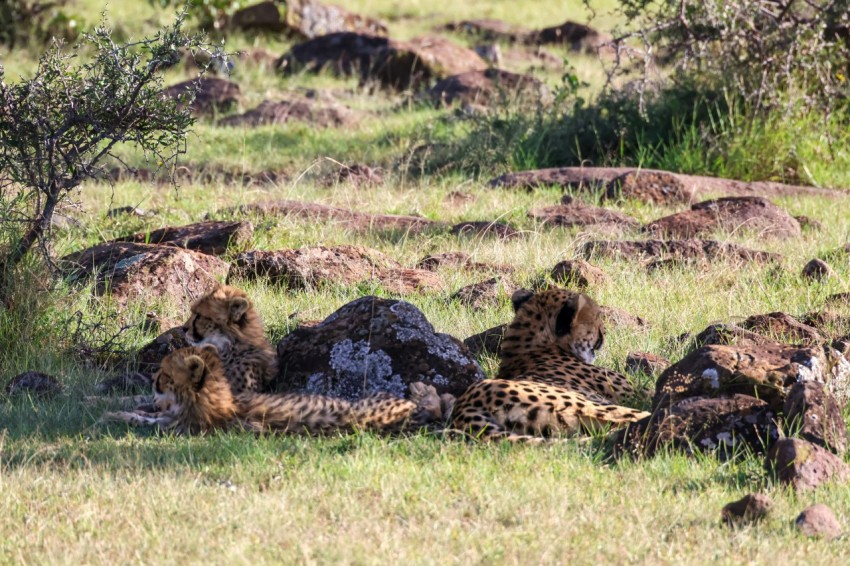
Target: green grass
point(73, 491)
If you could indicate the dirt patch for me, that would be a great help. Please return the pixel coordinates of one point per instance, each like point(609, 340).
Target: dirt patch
point(459, 260)
point(189, 174)
point(484, 228)
point(656, 187)
point(484, 294)
point(732, 214)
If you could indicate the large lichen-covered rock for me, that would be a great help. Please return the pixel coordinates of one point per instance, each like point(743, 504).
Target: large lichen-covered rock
point(729, 426)
point(371, 345)
point(764, 371)
point(304, 18)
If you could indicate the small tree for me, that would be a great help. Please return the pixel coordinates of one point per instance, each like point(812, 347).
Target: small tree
point(58, 127)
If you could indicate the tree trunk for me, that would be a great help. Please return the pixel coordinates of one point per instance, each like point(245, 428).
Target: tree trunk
point(36, 229)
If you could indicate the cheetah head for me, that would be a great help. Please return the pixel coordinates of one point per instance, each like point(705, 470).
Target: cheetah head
point(183, 374)
point(571, 320)
point(223, 317)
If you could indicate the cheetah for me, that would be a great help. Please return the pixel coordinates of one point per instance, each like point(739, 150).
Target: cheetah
point(194, 396)
point(546, 384)
point(226, 319)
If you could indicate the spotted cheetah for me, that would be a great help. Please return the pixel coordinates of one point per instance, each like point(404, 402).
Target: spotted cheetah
point(546, 384)
point(194, 396)
point(226, 319)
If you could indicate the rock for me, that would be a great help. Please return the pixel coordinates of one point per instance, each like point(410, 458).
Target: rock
point(372, 345)
point(412, 64)
point(212, 237)
point(298, 109)
point(353, 220)
point(488, 87)
point(781, 327)
point(487, 342)
point(818, 521)
point(646, 363)
point(817, 270)
point(213, 94)
point(145, 271)
point(393, 64)
point(808, 224)
point(620, 318)
point(576, 37)
point(127, 383)
point(304, 18)
point(842, 299)
point(579, 273)
point(359, 175)
point(730, 214)
point(339, 265)
point(35, 384)
point(485, 293)
point(693, 250)
point(813, 414)
point(751, 508)
point(312, 266)
point(580, 214)
point(658, 187)
point(728, 425)
point(129, 211)
point(484, 228)
point(265, 16)
point(149, 356)
point(594, 179)
point(342, 53)
point(459, 260)
point(728, 335)
point(405, 281)
point(764, 371)
point(490, 52)
point(489, 30)
point(804, 465)
point(459, 198)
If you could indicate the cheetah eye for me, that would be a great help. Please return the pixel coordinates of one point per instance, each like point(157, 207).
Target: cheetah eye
point(599, 341)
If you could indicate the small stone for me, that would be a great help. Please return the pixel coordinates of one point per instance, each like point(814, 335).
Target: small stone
point(817, 270)
point(749, 509)
point(646, 363)
point(33, 383)
point(579, 273)
point(484, 294)
point(818, 521)
point(803, 465)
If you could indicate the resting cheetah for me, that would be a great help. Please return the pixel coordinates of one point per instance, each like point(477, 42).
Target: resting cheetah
point(226, 319)
point(194, 397)
point(546, 384)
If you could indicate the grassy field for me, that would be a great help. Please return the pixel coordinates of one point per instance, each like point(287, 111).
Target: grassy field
point(73, 491)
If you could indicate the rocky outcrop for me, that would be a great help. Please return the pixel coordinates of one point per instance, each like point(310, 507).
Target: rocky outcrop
point(211, 94)
point(579, 214)
point(304, 18)
point(372, 345)
point(144, 271)
point(803, 465)
point(488, 87)
point(298, 109)
point(676, 250)
point(813, 414)
point(578, 273)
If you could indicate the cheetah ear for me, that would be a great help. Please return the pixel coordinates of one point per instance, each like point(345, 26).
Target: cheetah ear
point(238, 308)
point(197, 370)
point(564, 322)
point(520, 297)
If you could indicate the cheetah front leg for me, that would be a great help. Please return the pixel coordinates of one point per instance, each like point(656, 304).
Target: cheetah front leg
point(137, 418)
